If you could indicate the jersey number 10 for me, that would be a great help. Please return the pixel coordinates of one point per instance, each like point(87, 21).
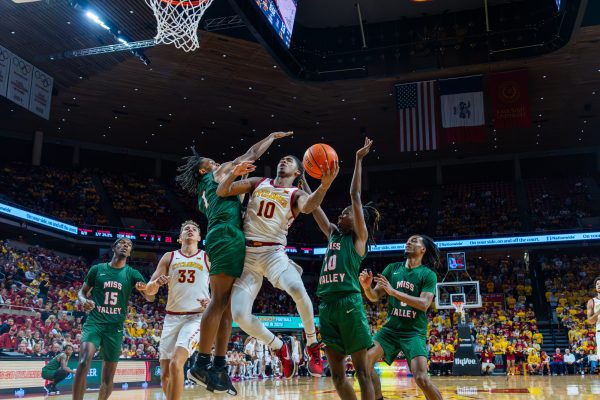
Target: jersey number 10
point(267, 210)
point(331, 263)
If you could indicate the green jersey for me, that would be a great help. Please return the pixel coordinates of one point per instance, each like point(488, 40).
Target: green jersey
point(54, 364)
point(403, 318)
point(218, 210)
point(111, 288)
point(341, 267)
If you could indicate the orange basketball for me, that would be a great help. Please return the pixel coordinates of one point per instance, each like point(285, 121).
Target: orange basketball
point(318, 155)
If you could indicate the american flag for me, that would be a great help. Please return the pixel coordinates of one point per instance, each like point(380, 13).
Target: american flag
point(416, 107)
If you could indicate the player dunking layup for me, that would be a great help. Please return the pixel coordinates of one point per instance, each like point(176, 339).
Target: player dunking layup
point(109, 285)
point(273, 206)
point(225, 247)
point(593, 313)
point(187, 273)
point(344, 324)
point(410, 286)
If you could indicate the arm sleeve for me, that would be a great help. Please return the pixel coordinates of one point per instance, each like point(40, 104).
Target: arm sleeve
point(387, 272)
point(90, 279)
point(429, 283)
point(137, 277)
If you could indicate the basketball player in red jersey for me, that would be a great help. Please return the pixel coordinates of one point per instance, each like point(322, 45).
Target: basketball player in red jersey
point(273, 206)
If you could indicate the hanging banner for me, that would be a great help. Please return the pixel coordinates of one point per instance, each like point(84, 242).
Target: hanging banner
point(510, 99)
point(19, 81)
point(5, 57)
point(41, 93)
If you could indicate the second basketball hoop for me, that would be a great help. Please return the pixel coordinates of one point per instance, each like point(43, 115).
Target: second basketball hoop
point(177, 21)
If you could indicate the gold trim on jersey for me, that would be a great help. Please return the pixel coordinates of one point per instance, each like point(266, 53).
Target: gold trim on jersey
point(188, 264)
point(268, 194)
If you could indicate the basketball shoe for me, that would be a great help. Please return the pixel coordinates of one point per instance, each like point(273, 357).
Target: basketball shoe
point(315, 362)
point(289, 367)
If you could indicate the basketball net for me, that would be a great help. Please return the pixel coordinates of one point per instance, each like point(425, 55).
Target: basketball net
point(459, 307)
point(177, 21)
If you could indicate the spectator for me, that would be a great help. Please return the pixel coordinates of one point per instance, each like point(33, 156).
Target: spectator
point(569, 360)
point(558, 364)
point(487, 365)
point(8, 340)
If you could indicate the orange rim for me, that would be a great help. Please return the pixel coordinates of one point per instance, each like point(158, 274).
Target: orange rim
point(184, 3)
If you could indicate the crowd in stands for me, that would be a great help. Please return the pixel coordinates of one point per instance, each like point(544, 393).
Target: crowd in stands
point(140, 198)
point(558, 203)
point(67, 195)
point(466, 209)
point(44, 285)
point(41, 313)
point(478, 208)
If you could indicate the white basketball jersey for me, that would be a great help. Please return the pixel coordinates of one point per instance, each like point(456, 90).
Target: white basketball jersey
point(269, 213)
point(596, 309)
point(188, 282)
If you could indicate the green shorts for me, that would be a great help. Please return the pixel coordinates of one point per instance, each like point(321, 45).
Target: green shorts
point(392, 343)
point(344, 324)
point(48, 374)
point(226, 248)
point(108, 338)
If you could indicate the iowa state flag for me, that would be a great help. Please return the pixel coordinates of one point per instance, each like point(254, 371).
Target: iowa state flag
point(463, 117)
point(510, 99)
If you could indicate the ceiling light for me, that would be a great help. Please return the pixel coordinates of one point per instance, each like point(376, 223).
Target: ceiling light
point(544, 76)
point(96, 19)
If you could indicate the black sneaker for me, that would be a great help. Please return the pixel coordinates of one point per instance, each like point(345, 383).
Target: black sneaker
point(199, 375)
point(224, 379)
point(48, 388)
point(55, 389)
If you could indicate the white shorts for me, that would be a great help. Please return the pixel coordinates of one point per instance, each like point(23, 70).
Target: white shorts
point(264, 262)
point(179, 331)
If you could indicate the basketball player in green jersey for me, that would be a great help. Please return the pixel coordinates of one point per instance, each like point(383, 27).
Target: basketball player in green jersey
point(344, 324)
point(105, 294)
point(226, 247)
point(57, 369)
point(410, 286)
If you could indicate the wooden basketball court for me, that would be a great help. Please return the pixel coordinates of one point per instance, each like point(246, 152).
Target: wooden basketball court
point(537, 387)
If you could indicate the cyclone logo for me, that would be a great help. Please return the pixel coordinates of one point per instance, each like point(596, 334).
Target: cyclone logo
point(42, 78)
point(509, 92)
point(22, 65)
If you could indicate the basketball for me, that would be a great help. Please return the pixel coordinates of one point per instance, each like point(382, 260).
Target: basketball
point(317, 155)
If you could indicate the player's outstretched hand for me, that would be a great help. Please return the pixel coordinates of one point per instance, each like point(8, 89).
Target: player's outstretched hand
point(203, 303)
point(89, 305)
point(141, 286)
point(329, 174)
point(243, 168)
point(280, 135)
point(383, 283)
point(363, 151)
point(365, 278)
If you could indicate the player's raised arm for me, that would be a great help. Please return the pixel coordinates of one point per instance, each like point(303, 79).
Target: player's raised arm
point(360, 226)
point(319, 215)
point(253, 154)
point(307, 203)
point(228, 186)
point(159, 277)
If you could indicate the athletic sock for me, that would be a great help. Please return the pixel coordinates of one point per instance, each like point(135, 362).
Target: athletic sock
point(219, 362)
point(276, 343)
point(202, 360)
point(311, 338)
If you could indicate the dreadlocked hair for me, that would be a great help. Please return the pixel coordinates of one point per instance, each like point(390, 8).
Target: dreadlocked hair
point(372, 218)
point(431, 258)
point(189, 176)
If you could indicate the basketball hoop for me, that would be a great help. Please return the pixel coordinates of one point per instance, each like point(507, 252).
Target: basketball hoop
point(459, 307)
point(177, 21)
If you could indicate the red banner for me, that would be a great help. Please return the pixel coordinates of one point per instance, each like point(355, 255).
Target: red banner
point(510, 99)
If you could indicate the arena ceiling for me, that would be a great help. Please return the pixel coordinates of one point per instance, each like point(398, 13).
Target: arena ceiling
point(230, 92)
